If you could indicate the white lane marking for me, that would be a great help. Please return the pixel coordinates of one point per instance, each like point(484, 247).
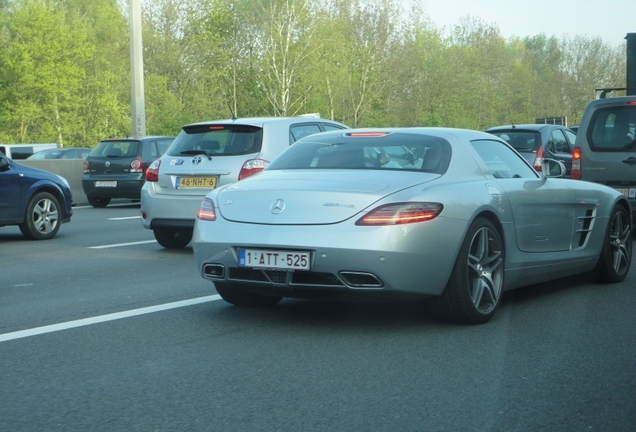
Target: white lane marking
point(125, 218)
point(122, 244)
point(105, 318)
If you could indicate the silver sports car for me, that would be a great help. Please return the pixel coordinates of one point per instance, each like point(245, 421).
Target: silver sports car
point(457, 216)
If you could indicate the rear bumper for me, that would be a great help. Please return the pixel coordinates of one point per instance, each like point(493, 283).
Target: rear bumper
point(126, 188)
point(168, 211)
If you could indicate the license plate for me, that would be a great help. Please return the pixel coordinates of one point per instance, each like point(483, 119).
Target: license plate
point(106, 184)
point(628, 192)
point(196, 182)
point(274, 259)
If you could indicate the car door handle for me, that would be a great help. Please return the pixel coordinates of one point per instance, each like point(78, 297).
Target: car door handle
point(631, 161)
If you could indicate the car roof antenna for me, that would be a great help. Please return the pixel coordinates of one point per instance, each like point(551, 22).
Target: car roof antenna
point(231, 111)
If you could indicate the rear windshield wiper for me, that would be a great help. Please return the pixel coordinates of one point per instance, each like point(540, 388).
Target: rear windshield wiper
point(197, 152)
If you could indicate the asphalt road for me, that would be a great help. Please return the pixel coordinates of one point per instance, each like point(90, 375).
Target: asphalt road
point(101, 329)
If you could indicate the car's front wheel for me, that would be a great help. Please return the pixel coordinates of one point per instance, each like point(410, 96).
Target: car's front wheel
point(98, 202)
point(616, 255)
point(42, 219)
point(173, 238)
point(232, 293)
point(474, 289)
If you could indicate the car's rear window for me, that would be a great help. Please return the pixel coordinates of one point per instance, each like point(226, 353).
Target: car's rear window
point(522, 141)
point(612, 129)
point(347, 150)
point(219, 140)
point(116, 149)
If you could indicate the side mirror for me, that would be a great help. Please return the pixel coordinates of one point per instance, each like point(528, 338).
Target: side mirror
point(553, 168)
point(4, 164)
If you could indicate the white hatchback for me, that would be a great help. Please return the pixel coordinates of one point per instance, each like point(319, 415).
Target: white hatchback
point(210, 154)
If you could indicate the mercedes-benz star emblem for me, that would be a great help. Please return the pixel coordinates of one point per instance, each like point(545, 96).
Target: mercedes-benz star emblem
point(278, 206)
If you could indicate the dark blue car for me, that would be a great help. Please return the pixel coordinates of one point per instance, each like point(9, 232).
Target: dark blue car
point(37, 201)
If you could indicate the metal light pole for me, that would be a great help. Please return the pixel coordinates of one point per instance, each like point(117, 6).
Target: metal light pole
point(136, 72)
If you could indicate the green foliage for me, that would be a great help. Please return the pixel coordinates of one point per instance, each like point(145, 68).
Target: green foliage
point(64, 67)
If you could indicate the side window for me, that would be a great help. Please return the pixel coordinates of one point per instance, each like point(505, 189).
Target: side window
point(330, 127)
point(501, 161)
point(571, 139)
point(301, 130)
point(160, 147)
point(558, 143)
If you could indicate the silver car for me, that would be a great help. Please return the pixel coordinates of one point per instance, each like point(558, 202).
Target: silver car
point(208, 155)
point(455, 215)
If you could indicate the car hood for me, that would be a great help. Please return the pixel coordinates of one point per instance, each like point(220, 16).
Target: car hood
point(310, 197)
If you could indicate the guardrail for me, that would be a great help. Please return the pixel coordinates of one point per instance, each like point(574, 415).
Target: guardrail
point(71, 169)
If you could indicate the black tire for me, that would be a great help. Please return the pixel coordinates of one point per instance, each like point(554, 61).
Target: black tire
point(43, 219)
point(232, 293)
point(616, 255)
point(173, 238)
point(473, 292)
point(98, 202)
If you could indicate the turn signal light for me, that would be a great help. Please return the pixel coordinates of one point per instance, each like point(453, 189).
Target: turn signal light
point(152, 173)
point(252, 167)
point(207, 211)
point(538, 161)
point(576, 174)
point(401, 213)
point(137, 165)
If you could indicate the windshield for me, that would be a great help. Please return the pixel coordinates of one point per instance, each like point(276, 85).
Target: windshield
point(522, 141)
point(127, 148)
point(381, 151)
point(216, 139)
point(613, 129)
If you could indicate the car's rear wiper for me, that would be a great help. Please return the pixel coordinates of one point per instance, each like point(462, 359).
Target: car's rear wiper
point(197, 152)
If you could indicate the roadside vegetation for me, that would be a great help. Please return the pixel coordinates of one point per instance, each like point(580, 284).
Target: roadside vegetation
point(64, 67)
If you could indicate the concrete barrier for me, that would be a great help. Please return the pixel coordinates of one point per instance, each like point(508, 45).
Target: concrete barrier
point(71, 169)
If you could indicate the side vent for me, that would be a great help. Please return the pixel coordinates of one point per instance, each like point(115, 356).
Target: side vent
point(586, 222)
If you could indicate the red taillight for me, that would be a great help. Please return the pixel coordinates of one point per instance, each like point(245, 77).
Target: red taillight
point(539, 159)
point(401, 213)
point(86, 169)
point(252, 167)
point(152, 173)
point(576, 174)
point(137, 165)
point(207, 211)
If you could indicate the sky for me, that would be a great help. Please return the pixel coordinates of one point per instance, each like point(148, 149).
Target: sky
point(609, 19)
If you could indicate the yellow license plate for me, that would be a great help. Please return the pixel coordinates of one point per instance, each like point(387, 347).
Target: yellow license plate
point(196, 182)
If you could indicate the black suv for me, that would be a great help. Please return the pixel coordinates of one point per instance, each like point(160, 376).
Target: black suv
point(605, 148)
point(116, 168)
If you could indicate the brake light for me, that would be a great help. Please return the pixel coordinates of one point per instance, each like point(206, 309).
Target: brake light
point(86, 164)
point(152, 173)
point(401, 213)
point(207, 211)
point(539, 159)
point(252, 167)
point(576, 173)
point(631, 103)
point(216, 128)
point(367, 134)
point(137, 165)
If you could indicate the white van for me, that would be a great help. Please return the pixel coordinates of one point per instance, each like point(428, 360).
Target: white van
point(23, 151)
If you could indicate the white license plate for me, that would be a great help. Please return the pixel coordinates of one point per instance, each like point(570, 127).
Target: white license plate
point(106, 184)
point(274, 259)
point(628, 192)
